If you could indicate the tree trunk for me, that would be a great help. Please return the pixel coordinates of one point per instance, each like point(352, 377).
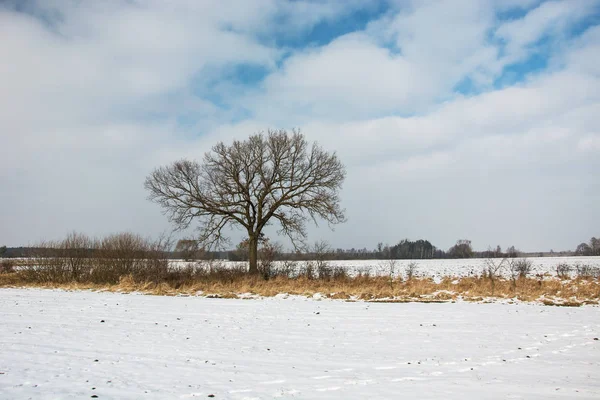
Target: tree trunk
point(253, 255)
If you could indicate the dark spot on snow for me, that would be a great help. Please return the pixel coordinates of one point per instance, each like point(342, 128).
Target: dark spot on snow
point(211, 395)
point(95, 360)
point(520, 348)
point(94, 396)
point(318, 313)
point(595, 338)
point(101, 320)
point(527, 356)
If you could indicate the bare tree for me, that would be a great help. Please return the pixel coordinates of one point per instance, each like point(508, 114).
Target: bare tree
point(188, 249)
point(388, 268)
point(492, 270)
point(322, 253)
point(277, 177)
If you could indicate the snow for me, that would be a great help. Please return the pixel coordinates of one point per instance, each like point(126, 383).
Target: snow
point(53, 344)
point(432, 268)
point(440, 268)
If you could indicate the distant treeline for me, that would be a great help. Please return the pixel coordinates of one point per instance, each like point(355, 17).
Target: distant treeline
point(405, 249)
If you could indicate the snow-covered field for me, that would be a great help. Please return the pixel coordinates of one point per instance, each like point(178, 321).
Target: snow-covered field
point(438, 269)
point(76, 345)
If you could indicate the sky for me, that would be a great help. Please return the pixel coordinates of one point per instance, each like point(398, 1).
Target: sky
point(455, 119)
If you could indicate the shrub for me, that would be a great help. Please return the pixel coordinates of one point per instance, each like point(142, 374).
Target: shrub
point(411, 270)
point(563, 271)
point(288, 268)
point(587, 271)
point(493, 270)
point(267, 254)
point(75, 251)
point(308, 270)
point(81, 259)
point(363, 272)
point(522, 268)
point(7, 266)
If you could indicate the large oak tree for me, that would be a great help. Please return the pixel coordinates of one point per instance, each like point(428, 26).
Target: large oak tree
point(274, 177)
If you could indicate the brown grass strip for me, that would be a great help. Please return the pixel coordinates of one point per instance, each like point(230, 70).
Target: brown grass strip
point(547, 291)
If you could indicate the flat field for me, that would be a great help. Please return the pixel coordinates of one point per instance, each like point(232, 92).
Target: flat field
point(440, 268)
point(76, 345)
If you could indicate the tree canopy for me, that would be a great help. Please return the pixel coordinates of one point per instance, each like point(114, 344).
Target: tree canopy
point(273, 177)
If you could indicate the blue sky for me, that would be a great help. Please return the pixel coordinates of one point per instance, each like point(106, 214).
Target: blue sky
point(474, 119)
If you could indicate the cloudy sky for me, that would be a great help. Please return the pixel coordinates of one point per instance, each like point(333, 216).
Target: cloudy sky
point(456, 119)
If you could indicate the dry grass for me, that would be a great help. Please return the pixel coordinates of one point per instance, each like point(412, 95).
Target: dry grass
point(231, 284)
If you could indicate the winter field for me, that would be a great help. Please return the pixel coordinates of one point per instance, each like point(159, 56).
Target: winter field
point(75, 345)
point(440, 268)
point(430, 268)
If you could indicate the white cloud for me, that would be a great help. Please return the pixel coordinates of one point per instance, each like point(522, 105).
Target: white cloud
point(93, 92)
point(317, 82)
point(549, 20)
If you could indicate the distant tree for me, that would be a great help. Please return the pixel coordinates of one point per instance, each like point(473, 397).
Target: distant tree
point(241, 251)
point(583, 250)
point(379, 250)
point(439, 253)
point(462, 249)
point(277, 177)
point(407, 250)
point(188, 249)
point(2, 251)
point(589, 249)
point(511, 252)
point(595, 246)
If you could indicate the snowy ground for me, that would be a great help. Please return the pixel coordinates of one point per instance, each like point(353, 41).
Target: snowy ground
point(438, 269)
point(75, 345)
